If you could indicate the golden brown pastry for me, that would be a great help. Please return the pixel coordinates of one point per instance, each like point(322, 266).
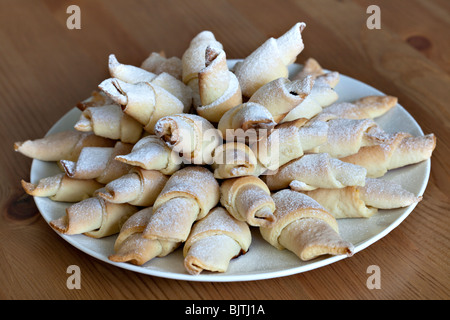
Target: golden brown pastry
point(248, 199)
point(313, 69)
point(93, 217)
point(400, 150)
point(158, 63)
point(130, 246)
point(151, 153)
point(188, 195)
point(368, 107)
point(281, 95)
point(65, 145)
point(139, 187)
point(219, 88)
point(111, 122)
point(307, 109)
point(98, 163)
point(133, 75)
point(60, 187)
point(247, 120)
point(128, 73)
point(269, 61)
point(143, 101)
point(235, 159)
point(304, 227)
point(322, 93)
point(289, 141)
point(97, 99)
point(348, 136)
point(189, 135)
point(214, 241)
point(314, 171)
point(363, 202)
point(193, 61)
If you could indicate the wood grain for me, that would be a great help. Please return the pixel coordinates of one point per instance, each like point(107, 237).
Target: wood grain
point(46, 69)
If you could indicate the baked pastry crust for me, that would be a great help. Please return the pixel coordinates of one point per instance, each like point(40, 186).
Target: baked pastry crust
point(130, 246)
point(281, 95)
point(304, 227)
point(65, 145)
point(214, 241)
point(143, 101)
point(93, 217)
point(400, 150)
point(219, 88)
point(270, 60)
point(110, 122)
point(248, 119)
point(62, 188)
point(248, 199)
point(363, 202)
point(235, 159)
point(98, 163)
point(314, 171)
point(151, 153)
point(132, 74)
point(139, 187)
point(188, 195)
point(191, 136)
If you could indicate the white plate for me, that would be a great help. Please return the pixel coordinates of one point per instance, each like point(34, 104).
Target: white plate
point(262, 261)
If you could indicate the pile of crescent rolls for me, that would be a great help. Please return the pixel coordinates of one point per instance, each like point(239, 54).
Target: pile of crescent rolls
point(191, 153)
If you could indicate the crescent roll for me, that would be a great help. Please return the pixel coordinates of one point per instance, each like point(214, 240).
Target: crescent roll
point(61, 145)
point(368, 107)
point(189, 135)
point(130, 246)
point(143, 101)
point(139, 187)
point(321, 95)
point(248, 119)
point(313, 69)
point(348, 136)
point(235, 159)
point(214, 241)
point(314, 171)
point(93, 217)
point(97, 99)
point(133, 75)
point(151, 153)
point(60, 187)
point(282, 95)
point(111, 122)
point(363, 202)
point(158, 63)
point(289, 141)
point(188, 195)
point(269, 61)
point(98, 163)
point(193, 61)
point(400, 150)
point(304, 227)
point(219, 88)
point(128, 73)
point(248, 199)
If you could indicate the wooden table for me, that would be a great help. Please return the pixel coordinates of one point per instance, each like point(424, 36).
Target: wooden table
point(45, 69)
